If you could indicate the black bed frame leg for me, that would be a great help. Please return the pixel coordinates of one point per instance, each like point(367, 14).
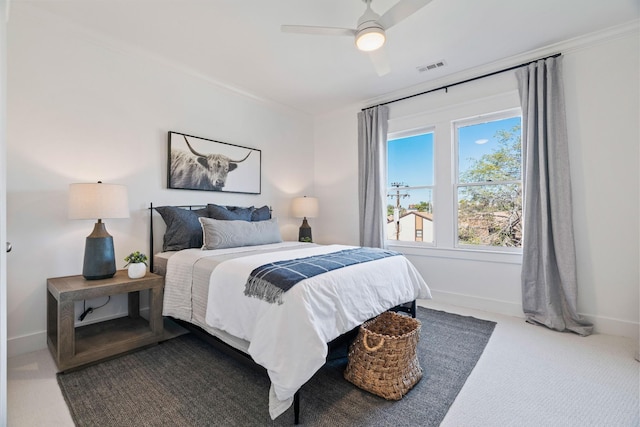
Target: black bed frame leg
point(413, 309)
point(296, 408)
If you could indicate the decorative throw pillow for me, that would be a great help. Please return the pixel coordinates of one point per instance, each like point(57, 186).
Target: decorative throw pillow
point(183, 229)
point(219, 234)
point(230, 213)
point(261, 214)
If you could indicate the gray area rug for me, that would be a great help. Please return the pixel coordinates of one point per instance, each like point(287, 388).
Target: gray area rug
point(188, 382)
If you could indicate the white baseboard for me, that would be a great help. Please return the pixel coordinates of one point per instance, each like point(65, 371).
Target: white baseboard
point(611, 326)
point(26, 343)
point(601, 324)
point(506, 308)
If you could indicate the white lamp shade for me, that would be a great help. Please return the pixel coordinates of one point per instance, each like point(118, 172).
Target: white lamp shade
point(305, 207)
point(370, 39)
point(98, 201)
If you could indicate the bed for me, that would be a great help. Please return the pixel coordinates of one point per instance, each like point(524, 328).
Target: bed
point(212, 258)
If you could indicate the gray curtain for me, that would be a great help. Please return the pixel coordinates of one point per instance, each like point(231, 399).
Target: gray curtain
point(549, 285)
point(372, 155)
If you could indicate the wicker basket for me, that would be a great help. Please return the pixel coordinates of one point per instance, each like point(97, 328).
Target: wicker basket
point(383, 358)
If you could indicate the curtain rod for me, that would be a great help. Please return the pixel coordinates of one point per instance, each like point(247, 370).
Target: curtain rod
point(446, 87)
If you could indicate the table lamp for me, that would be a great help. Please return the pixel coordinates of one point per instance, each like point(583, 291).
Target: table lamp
point(305, 207)
point(98, 201)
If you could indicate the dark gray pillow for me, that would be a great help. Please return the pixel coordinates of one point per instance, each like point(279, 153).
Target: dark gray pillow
point(183, 228)
point(229, 213)
point(261, 214)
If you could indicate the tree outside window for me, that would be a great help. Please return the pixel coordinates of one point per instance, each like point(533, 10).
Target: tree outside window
point(489, 188)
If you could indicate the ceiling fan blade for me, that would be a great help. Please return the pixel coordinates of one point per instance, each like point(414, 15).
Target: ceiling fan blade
point(401, 10)
point(323, 31)
point(380, 61)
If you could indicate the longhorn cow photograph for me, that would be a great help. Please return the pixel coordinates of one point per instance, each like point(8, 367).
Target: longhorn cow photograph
point(203, 164)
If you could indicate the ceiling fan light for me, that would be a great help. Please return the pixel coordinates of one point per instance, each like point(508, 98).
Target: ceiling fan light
point(370, 39)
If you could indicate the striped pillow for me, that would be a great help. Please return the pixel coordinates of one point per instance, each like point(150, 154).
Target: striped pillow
point(219, 234)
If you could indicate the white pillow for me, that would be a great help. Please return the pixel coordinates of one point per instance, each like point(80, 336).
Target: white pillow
point(221, 234)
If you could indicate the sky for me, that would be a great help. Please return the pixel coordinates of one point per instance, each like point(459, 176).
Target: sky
point(410, 159)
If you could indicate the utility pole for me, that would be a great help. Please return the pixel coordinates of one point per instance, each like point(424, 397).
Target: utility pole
point(396, 210)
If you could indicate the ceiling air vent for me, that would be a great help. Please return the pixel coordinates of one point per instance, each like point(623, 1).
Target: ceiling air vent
point(430, 67)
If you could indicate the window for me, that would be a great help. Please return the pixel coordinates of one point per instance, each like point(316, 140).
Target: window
point(410, 177)
point(489, 181)
point(456, 184)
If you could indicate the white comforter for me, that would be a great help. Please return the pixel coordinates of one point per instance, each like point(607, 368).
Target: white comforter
point(289, 340)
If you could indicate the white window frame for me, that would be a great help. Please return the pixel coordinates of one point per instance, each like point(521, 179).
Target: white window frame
point(407, 134)
point(455, 125)
point(438, 114)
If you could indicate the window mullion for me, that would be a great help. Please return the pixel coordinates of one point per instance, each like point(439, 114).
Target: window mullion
point(443, 196)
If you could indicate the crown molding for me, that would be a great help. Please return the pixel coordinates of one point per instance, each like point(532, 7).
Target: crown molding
point(565, 47)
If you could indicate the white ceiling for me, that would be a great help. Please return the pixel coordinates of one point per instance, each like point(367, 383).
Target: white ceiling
point(239, 43)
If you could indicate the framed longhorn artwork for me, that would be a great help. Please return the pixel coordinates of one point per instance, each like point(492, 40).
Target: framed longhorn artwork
point(204, 164)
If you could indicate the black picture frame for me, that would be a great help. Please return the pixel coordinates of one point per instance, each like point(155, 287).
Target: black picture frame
point(195, 163)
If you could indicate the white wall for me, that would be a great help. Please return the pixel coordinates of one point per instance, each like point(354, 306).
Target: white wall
point(602, 90)
point(336, 181)
point(601, 77)
point(82, 109)
point(4, 16)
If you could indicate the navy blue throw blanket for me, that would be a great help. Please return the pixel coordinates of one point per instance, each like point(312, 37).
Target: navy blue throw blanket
point(268, 282)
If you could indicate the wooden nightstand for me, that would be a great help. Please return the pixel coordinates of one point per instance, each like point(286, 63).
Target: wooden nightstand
point(72, 347)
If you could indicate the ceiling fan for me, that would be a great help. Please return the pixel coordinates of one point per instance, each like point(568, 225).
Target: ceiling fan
point(369, 33)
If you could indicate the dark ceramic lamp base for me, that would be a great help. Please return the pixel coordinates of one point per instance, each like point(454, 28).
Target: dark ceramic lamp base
point(99, 258)
point(305, 232)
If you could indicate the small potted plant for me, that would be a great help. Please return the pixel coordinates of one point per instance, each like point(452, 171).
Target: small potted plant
point(137, 265)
